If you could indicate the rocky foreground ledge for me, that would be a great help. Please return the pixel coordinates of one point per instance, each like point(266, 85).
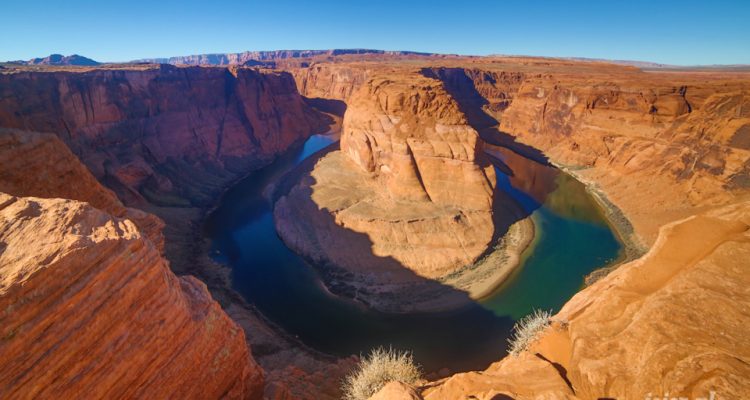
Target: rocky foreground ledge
point(406, 206)
point(88, 305)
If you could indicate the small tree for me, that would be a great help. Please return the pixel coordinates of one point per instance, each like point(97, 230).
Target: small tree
point(378, 368)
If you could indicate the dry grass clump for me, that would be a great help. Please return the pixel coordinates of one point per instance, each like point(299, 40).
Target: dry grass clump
point(378, 368)
point(526, 329)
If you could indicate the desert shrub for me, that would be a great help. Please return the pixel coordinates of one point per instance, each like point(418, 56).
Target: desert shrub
point(378, 368)
point(526, 329)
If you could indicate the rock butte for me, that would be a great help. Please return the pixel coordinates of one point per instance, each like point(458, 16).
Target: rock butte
point(410, 185)
point(661, 146)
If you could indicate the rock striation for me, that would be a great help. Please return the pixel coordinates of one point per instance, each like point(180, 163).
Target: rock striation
point(167, 140)
point(330, 81)
point(672, 139)
point(416, 142)
point(654, 148)
point(410, 186)
point(91, 309)
point(40, 165)
point(658, 146)
point(657, 133)
point(675, 139)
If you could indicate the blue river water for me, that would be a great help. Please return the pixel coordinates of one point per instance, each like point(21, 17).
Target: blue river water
point(572, 239)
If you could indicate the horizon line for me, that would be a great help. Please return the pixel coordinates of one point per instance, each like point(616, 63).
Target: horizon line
point(414, 52)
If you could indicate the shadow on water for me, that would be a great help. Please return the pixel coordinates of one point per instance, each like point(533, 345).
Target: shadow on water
point(572, 237)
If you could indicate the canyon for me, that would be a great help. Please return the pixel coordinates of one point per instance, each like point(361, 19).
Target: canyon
point(134, 155)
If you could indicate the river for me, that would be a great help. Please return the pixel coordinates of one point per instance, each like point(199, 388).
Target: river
point(572, 239)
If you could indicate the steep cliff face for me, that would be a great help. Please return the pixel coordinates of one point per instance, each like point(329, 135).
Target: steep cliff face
point(330, 81)
point(669, 324)
point(678, 140)
point(164, 135)
point(413, 138)
point(661, 147)
point(91, 309)
point(479, 90)
point(643, 139)
point(410, 187)
point(40, 165)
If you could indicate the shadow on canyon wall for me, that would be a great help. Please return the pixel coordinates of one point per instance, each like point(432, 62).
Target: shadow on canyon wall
point(330, 106)
point(462, 88)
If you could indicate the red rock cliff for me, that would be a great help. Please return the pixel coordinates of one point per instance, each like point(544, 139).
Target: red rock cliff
point(90, 307)
point(166, 135)
point(678, 140)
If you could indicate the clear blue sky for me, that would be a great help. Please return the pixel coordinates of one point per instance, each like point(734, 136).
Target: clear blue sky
point(675, 32)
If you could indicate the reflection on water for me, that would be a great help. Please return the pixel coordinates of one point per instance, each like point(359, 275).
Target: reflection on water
point(572, 240)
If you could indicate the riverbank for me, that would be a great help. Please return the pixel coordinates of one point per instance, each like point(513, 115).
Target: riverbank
point(633, 245)
point(491, 271)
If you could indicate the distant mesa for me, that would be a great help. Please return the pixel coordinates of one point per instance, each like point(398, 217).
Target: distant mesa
point(265, 56)
point(59, 59)
point(259, 64)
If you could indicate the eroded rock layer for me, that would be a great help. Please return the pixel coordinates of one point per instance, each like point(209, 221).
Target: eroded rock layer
point(40, 165)
point(167, 140)
point(412, 137)
point(659, 145)
point(91, 309)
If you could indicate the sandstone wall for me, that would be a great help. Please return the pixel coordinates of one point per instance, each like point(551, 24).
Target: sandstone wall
point(329, 81)
point(40, 165)
point(660, 146)
point(165, 135)
point(406, 201)
point(412, 136)
point(90, 309)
